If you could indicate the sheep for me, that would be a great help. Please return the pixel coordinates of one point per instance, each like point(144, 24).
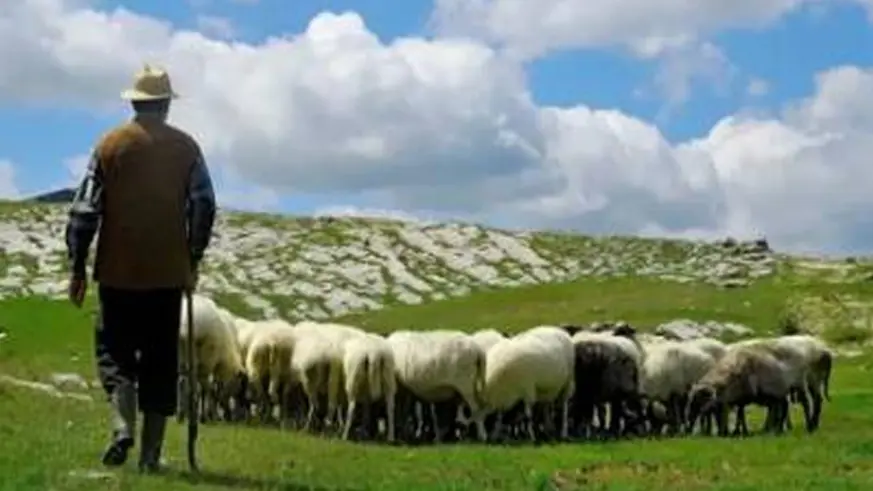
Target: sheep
point(487, 338)
point(317, 363)
point(715, 348)
point(434, 366)
point(606, 370)
point(622, 337)
point(747, 374)
point(268, 366)
point(215, 351)
point(668, 372)
point(810, 361)
point(245, 330)
point(368, 370)
point(535, 366)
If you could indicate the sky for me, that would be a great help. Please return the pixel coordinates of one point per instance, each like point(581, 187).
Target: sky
point(655, 117)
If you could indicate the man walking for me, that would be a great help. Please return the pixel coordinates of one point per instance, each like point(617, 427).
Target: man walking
point(148, 190)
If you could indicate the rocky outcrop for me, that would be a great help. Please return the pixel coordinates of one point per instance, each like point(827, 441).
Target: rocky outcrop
point(322, 267)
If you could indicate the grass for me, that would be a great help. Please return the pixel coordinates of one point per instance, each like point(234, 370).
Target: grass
point(47, 443)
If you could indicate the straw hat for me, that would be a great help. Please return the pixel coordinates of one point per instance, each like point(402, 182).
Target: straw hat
point(150, 84)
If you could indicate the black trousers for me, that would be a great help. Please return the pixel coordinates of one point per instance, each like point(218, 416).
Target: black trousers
point(136, 342)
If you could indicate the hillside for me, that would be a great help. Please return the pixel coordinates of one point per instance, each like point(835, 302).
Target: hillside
point(64, 195)
point(304, 267)
point(343, 267)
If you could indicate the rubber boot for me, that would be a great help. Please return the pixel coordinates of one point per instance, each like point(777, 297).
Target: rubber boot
point(151, 441)
point(123, 403)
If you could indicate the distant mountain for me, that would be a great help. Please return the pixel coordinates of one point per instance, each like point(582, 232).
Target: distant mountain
point(56, 196)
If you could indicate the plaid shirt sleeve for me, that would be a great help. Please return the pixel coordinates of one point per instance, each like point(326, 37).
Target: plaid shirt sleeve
point(201, 210)
point(84, 217)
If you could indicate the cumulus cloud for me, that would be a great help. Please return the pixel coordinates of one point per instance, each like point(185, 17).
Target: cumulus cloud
point(447, 126)
point(675, 34)
point(8, 190)
point(757, 87)
point(213, 25)
point(647, 26)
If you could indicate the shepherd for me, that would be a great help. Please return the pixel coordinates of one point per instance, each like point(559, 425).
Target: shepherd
point(149, 192)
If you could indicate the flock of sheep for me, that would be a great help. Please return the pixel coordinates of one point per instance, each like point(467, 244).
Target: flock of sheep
point(544, 383)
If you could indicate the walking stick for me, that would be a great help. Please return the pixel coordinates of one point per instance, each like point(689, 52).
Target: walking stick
point(193, 417)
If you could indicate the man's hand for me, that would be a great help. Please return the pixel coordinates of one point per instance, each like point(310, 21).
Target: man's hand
point(77, 289)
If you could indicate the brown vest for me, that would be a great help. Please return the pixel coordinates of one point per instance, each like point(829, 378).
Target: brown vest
point(143, 241)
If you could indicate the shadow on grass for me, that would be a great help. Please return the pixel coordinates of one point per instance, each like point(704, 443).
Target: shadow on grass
point(219, 479)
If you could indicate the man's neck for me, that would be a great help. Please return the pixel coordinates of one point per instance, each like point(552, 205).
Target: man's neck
point(150, 117)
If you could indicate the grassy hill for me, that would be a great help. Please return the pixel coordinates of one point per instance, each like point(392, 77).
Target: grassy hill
point(475, 278)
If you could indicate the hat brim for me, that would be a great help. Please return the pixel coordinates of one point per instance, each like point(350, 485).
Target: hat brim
point(136, 95)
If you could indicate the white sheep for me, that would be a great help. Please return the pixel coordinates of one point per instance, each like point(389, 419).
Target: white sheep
point(437, 365)
point(535, 366)
point(317, 363)
point(245, 331)
point(215, 350)
point(714, 347)
point(368, 369)
point(486, 338)
point(268, 365)
point(669, 371)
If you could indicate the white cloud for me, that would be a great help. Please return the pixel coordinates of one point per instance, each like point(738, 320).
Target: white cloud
point(682, 66)
point(213, 25)
point(757, 87)
point(447, 126)
point(676, 34)
point(531, 28)
point(8, 190)
point(231, 191)
point(76, 167)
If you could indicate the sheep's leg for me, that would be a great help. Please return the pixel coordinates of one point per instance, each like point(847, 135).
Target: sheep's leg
point(800, 394)
point(477, 414)
point(601, 417)
point(333, 395)
point(202, 389)
point(497, 432)
point(312, 398)
point(350, 416)
point(783, 414)
point(817, 401)
point(706, 423)
point(434, 417)
point(586, 420)
point(565, 417)
point(741, 427)
point(529, 420)
point(389, 418)
point(616, 413)
point(673, 414)
point(721, 416)
point(682, 401)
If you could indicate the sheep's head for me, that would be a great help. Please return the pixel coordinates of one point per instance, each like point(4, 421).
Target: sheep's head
point(571, 329)
point(701, 400)
point(627, 377)
point(624, 329)
point(236, 384)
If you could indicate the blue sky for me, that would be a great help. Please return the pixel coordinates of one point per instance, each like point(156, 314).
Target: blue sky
point(786, 55)
point(783, 56)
